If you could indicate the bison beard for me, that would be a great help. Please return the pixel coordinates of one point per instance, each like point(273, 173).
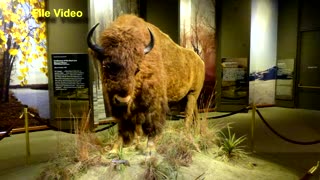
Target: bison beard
point(142, 71)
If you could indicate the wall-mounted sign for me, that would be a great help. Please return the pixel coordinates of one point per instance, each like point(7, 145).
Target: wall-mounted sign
point(235, 84)
point(70, 76)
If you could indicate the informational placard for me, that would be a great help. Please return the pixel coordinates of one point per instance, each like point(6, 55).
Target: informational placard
point(235, 85)
point(70, 76)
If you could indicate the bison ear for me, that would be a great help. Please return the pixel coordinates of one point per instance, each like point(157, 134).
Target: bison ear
point(92, 53)
point(149, 47)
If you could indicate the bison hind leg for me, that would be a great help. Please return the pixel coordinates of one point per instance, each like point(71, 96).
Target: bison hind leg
point(191, 112)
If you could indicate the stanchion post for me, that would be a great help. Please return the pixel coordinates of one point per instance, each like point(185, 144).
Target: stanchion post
point(26, 122)
point(253, 126)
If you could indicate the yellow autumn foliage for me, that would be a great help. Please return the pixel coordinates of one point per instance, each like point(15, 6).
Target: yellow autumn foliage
point(27, 38)
point(13, 52)
point(24, 70)
point(29, 60)
point(44, 70)
point(20, 78)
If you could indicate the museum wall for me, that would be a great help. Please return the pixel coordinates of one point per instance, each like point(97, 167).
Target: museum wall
point(66, 35)
point(287, 29)
point(287, 42)
point(308, 64)
point(165, 15)
point(298, 20)
point(233, 35)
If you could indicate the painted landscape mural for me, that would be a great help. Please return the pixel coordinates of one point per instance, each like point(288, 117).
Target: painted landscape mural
point(23, 63)
point(198, 32)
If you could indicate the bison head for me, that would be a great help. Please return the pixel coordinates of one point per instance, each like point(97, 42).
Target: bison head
point(120, 58)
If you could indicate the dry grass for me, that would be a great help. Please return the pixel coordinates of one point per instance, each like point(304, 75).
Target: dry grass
point(178, 146)
point(209, 129)
point(76, 156)
point(175, 146)
point(108, 137)
point(158, 171)
point(229, 146)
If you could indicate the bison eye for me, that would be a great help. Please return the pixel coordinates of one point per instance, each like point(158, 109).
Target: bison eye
point(112, 68)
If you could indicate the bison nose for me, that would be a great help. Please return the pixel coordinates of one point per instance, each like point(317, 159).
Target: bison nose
point(121, 101)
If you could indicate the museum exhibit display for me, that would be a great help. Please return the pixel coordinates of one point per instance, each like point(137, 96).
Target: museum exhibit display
point(70, 74)
point(170, 89)
point(235, 84)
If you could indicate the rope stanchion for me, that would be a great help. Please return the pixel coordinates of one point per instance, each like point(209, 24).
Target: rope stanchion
point(178, 117)
point(254, 110)
point(26, 126)
point(11, 129)
point(253, 125)
point(105, 128)
point(311, 172)
point(282, 137)
point(51, 126)
point(230, 114)
point(8, 131)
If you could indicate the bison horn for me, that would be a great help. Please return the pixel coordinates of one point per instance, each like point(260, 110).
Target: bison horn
point(149, 47)
point(92, 45)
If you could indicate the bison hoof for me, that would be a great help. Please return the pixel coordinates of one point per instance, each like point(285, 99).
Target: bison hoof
point(113, 153)
point(150, 151)
point(139, 147)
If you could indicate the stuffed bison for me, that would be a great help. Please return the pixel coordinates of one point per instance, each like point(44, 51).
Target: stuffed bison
point(142, 71)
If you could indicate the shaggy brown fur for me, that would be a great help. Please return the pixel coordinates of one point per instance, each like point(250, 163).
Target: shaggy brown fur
point(150, 81)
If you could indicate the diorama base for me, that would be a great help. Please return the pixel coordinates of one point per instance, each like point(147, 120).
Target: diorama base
point(54, 153)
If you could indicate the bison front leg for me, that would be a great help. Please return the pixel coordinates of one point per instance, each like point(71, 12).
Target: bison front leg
point(151, 147)
point(125, 137)
point(153, 126)
point(191, 112)
point(138, 136)
point(117, 146)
